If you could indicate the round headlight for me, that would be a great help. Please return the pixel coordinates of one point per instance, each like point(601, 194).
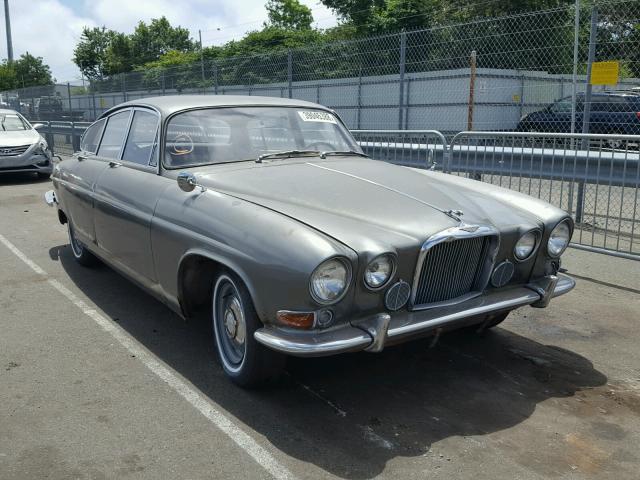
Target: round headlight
point(559, 239)
point(329, 281)
point(525, 246)
point(379, 271)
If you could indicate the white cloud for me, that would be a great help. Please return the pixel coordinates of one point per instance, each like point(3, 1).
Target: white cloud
point(51, 28)
point(48, 29)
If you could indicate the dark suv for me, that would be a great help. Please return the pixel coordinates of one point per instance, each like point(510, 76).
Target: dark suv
point(611, 112)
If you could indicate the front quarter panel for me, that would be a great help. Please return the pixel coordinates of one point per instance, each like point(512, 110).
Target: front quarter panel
point(273, 254)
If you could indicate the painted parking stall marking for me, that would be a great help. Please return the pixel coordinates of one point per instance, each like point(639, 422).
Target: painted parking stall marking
point(203, 405)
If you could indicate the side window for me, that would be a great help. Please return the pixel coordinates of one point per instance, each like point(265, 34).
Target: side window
point(91, 137)
point(114, 134)
point(142, 137)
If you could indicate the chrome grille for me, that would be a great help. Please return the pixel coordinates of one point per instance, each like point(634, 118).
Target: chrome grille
point(451, 269)
point(8, 151)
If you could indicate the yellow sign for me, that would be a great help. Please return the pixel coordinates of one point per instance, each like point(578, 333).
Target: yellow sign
point(103, 103)
point(605, 73)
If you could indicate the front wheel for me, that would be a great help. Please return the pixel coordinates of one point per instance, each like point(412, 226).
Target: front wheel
point(245, 361)
point(80, 253)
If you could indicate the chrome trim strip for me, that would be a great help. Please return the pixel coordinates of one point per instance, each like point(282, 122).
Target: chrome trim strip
point(314, 344)
point(462, 231)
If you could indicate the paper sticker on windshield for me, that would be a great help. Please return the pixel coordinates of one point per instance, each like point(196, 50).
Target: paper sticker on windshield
point(316, 116)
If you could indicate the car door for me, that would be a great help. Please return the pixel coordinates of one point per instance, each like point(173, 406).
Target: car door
point(126, 195)
point(78, 175)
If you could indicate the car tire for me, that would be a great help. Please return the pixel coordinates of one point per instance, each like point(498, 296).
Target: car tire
point(244, 360)
point(80, 253)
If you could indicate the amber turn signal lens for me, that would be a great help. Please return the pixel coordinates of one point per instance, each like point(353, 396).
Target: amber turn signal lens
point(296, 319)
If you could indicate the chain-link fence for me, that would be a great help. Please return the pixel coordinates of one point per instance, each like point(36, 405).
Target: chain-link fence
point(518, 72)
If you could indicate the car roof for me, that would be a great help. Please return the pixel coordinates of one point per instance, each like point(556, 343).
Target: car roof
point(7, 110)
point(170, 104)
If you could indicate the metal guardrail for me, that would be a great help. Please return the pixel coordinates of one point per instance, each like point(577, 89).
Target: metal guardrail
point(412, 148)
point(596, 178)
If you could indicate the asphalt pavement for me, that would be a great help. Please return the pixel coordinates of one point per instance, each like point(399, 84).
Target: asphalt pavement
point(99, 380)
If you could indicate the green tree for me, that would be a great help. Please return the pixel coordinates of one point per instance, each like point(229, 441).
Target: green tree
point(27, 71)
point(288, 14)
point(150, 42)
point(32, 71)
point(90, 54)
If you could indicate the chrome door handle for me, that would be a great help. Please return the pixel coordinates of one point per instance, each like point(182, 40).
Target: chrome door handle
point(114, 164)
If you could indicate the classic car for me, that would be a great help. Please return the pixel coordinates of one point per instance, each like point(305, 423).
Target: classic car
point(265, 214)
point(22, 148)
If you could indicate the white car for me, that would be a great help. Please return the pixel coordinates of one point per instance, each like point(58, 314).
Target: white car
point(22, 148)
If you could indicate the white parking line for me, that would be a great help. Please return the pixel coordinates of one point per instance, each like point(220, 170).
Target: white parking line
point(189, 393)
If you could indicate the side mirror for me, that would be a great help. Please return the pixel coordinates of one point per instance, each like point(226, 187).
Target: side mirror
point(187, 182)
point(37, 126)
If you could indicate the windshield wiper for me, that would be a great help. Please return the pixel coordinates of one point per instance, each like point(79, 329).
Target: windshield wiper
point(343, 152)
point(286, 154)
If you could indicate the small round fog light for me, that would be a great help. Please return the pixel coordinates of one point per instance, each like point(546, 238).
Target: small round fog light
point(324, 318)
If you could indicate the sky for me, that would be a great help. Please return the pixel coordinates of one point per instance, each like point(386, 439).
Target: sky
point(51, 28)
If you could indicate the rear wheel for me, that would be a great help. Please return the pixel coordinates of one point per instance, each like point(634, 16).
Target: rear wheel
point(245, 361)
point(80, 253)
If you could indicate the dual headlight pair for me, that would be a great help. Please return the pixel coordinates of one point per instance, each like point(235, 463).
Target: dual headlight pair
point(330, 280)
point(558, 242)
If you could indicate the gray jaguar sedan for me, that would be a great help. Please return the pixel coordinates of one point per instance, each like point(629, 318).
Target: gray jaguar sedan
point(22, 148)
point(266, 215)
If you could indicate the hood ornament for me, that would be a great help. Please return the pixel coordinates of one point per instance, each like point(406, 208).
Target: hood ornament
point(456, 214)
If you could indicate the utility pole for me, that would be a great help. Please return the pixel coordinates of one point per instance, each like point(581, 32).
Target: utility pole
point(7, 21)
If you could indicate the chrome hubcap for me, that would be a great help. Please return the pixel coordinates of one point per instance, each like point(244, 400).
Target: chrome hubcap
point(230, 324)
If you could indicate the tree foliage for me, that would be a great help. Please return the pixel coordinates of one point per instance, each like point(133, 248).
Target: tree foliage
point(102, 52)
point(288, 15)
point(27, 71)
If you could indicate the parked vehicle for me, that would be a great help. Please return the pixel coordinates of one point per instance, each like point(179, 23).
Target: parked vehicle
point(265, 213)
point(611, 113)
point(22, 148)
point(51, 108)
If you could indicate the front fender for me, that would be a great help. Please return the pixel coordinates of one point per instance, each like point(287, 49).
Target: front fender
point(272, 253)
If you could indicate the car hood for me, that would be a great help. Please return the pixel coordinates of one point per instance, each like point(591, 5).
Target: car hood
point(18, 138)
point(360, 201)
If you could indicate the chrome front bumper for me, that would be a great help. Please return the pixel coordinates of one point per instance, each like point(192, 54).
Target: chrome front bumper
point(374, 332)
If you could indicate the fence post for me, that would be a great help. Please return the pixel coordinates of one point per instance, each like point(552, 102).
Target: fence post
point(162, 82)
point(69, 98)
point(403, 66)
point(93, 104)
point(593, 35)
point(472, 88)
point(359, 110)
point(124, 87)
point(290, 72)
point(215, 77)
point(574, 91)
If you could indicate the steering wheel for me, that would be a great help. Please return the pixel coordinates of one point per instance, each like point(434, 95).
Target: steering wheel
point(320, 146)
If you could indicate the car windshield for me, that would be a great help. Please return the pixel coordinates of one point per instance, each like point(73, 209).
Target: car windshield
point(231, 134)
point(11, 123)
